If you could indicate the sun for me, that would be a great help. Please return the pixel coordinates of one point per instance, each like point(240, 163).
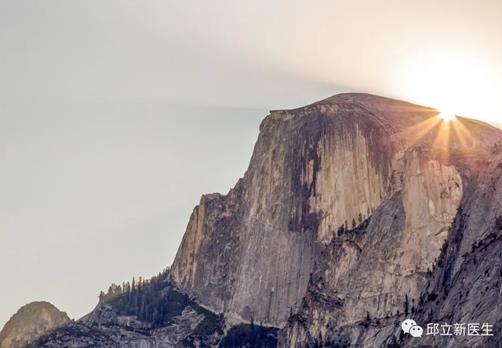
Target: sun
point(461, 81)
point(447, 116)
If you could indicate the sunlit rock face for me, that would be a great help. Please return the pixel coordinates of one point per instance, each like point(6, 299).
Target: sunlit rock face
point(347, 191)
point(29, 323)
point(251, 252)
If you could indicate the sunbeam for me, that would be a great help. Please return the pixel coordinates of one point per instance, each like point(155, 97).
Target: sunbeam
point(443, 131)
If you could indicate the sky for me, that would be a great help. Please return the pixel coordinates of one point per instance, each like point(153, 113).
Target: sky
point(116, 115)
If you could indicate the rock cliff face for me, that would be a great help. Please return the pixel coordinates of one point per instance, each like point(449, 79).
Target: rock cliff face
point(355, 213)
point(465, 286)
point(356, 193)
point(29, 323)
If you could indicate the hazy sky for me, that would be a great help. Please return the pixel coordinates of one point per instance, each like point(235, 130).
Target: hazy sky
point(116, 115)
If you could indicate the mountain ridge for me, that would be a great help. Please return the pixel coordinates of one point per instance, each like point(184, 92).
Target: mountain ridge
point(353, 210)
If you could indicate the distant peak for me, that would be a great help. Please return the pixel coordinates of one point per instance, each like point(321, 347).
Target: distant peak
point(30, 322)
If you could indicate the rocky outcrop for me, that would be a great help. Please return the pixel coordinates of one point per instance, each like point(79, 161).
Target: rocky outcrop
point(29, 323)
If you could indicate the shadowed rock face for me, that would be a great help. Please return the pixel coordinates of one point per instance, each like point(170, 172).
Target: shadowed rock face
point(465, 285)
point(317, 172)
point(30, 322)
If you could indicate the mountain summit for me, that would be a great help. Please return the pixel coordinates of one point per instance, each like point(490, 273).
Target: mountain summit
point(29, 323)
point(355, 213)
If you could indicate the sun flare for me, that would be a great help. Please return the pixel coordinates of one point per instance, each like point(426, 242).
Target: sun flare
point(459, 81)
